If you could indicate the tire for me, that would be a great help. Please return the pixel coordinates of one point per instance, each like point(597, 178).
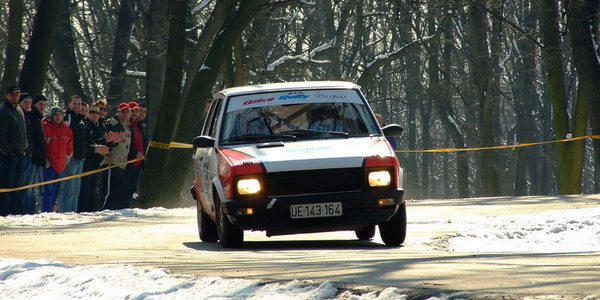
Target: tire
point(366, 233)
point(230, 236)
point(207, 229)
point(393, 232)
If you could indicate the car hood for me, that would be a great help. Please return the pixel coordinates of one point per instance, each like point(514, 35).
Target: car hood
point(313, 154)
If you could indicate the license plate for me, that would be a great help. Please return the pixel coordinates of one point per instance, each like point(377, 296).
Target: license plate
point(316, 210)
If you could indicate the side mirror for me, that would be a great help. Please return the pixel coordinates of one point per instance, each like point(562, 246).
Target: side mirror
point(203, 142)
point(392, 130)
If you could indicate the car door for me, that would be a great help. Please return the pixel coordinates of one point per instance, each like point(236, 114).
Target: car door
point(206, 156)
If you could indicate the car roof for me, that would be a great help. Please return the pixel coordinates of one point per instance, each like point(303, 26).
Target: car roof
point(284, 86)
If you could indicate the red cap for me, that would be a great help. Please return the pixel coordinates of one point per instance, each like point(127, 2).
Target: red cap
point(133, 105)
point(123, 106)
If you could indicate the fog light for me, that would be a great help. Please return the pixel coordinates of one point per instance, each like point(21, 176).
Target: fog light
point(248, 186)
point(379, 178)
point(386, 201)
point(245, 211)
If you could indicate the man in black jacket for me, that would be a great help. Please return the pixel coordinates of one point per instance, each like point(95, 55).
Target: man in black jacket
point(13, 142)
point(70, 188)
point(99, 143)
point(35, 152)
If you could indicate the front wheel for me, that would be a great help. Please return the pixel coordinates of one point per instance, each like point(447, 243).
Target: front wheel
point(367, 232)
point(393, 232)
point(230, 236)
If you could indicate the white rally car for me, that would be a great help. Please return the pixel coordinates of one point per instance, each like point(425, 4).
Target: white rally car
point(296, 158)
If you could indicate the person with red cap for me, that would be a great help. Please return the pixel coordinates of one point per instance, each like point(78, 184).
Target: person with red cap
point(133, 170)
point(113, 179)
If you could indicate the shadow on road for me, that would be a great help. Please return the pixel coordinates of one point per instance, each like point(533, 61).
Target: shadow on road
point(292, 245)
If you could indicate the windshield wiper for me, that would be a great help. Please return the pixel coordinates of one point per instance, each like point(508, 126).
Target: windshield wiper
point(306, 132)
point(260, 137)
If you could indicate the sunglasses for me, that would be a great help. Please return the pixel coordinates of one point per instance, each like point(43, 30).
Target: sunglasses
point(93, 112)
point(103, 108)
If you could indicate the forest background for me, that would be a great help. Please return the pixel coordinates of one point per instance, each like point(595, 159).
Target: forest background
point(457, 74)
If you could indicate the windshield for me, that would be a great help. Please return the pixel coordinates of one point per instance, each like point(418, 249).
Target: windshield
point(296, 115)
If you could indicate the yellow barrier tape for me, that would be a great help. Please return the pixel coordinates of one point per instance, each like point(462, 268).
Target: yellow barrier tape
point(159, 145)
point(499, 147)
point(70, 177)
point(180, 145)
point(170, 145)
point(189, 146)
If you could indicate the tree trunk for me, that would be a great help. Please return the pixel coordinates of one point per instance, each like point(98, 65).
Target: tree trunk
point(12, 54)
point(414, 92)
point(41, 43)
point(425, 107)
point(156, 62)
point(525, 96)
point(443, 108)
point(64, 56)
point(481, 65)
point(156, 169)
point(179, 163)
point(241, 15)
point(120, 50)
point(163, 194)
point(213, 25)
point(335, 67)
point(582, 16)
point(569, 156)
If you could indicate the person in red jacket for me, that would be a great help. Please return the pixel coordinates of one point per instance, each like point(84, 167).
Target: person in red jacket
point(59, 149)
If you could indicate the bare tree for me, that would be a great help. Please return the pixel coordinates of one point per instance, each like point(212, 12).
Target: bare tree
point(120, 50)
point(37, 57)
point(64, 56)
point(569, 155)
point(159, 194)
point(582, 22)
point(13, 47)
point(482, 87)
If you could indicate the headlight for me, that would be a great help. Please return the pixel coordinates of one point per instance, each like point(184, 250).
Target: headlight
point(379, 178)
point(248, 186)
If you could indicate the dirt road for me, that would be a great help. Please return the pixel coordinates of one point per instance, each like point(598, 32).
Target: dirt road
point(422, 263)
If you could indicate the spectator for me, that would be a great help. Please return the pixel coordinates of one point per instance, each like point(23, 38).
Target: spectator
point(103, 105)
point(99, 143)
point(143, 122)
point(13, 142)
point(59, 148)
point(382, 124)
point(114, 192)
point(25, 102)
point(85, 108)
point(35, 153)
point(136, 150)
point(70, 188)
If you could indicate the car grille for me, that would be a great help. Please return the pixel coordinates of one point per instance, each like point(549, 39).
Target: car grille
point(314, 181)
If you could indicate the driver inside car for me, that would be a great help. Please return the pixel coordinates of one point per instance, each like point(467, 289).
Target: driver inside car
point(325, 118)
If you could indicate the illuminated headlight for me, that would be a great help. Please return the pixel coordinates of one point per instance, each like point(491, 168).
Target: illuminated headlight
point(248, 186)
point(380, 178)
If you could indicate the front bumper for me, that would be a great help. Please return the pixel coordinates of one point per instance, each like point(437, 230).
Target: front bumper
point(273, 214)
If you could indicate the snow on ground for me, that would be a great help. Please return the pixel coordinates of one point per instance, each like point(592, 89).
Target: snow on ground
point(43, 279)
point(557, 231)
point(563, 231)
